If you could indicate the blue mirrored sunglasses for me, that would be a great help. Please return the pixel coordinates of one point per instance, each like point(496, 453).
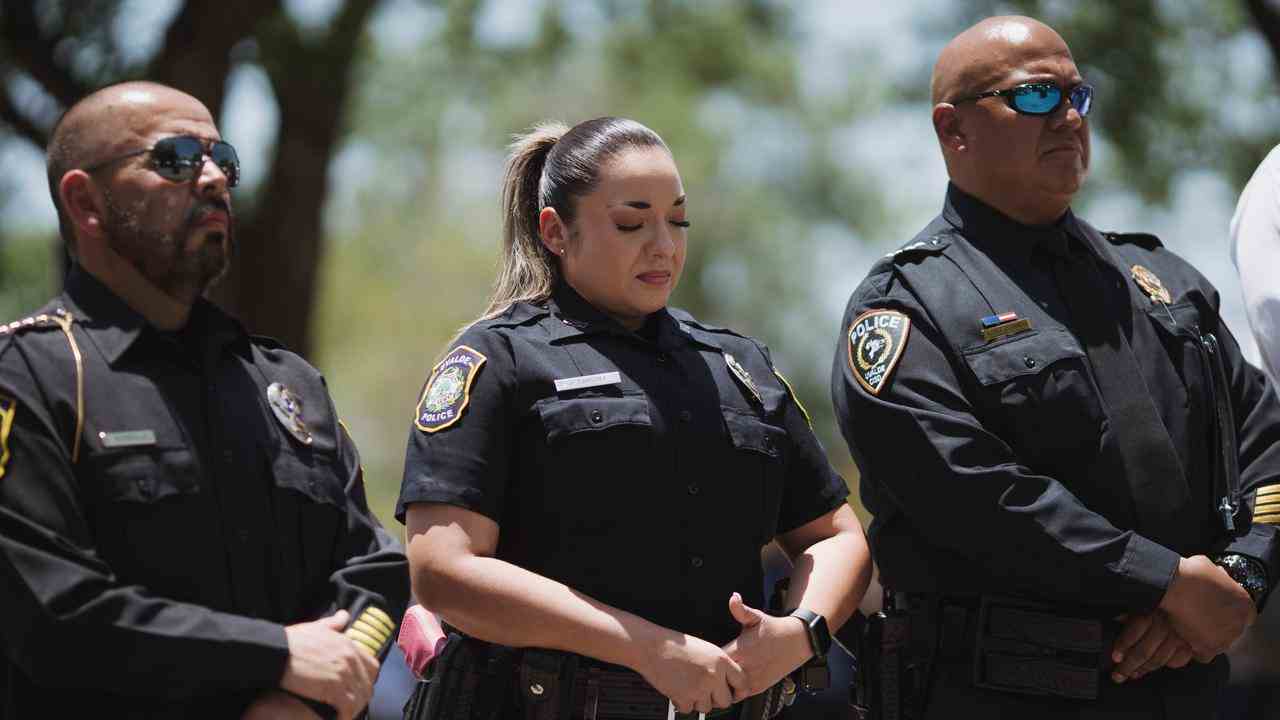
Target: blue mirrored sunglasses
point(1039, 98)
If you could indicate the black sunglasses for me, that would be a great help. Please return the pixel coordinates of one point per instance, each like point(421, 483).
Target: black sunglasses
point(1040, 98)
point(181, 158)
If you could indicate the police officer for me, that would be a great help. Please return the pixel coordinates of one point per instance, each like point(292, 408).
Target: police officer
point(183, 523)
point(595, 473)
point(1054, 427)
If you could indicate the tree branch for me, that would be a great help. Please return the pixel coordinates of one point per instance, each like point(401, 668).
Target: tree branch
point(19, 123)
point(36, 55)
point(1267, 19)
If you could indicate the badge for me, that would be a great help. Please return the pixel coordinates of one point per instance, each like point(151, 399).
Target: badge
point(743, 376)
point(1151, 285)
point(876, 341)
point(449, 389)
point(8, 408)
point(288, 410)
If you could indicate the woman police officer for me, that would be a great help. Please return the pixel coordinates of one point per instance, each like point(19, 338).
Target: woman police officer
point(595, 473)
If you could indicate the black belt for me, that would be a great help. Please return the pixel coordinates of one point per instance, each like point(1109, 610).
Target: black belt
point(1017, 646)
point(600, 694)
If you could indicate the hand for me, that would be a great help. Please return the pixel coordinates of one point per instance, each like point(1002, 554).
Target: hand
point(1206, 607)
point(768, 648)
point(1147, 643)
point(694, 674)
point(325, 665)
point(276, 705)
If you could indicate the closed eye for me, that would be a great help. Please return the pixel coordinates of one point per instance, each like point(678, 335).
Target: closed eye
point(630, 228)
point(682, 223)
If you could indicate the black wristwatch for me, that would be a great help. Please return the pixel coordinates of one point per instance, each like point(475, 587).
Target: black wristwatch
point(816, 626)
point(1246, 571)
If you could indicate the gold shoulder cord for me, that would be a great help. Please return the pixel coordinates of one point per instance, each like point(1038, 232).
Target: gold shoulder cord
point(65, 321)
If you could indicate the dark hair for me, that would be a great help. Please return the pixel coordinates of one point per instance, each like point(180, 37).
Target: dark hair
point(551, 166)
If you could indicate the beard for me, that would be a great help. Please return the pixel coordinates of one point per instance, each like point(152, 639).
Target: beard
point(184, 262)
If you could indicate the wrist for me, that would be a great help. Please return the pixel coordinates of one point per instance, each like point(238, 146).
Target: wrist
point(815, 626)
point(1247, 572)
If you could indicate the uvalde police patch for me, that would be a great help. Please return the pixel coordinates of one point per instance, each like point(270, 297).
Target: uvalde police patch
point(449, 389)
point(876, 341)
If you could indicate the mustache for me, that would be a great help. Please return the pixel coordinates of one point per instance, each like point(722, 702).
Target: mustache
point(208, 207)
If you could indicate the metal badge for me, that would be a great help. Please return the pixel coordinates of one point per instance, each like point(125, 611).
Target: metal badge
point(288, 410)
point(743, 376)
point(1151, 284)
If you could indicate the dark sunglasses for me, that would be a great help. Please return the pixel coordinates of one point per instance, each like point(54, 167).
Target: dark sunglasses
point(181, 158)
point(1040, 98)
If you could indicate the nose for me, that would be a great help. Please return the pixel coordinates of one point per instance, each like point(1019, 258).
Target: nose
point(211, 181)
point(1070, 119)
point(663, 244)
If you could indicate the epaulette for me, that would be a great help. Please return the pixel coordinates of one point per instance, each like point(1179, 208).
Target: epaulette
point(686, 319)
point(62, 320)
point(1144, 240)
point(519, 313)
point(930, 245)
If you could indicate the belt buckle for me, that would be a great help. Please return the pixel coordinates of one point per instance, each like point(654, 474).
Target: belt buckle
point(1031, 648)
point(673, 715)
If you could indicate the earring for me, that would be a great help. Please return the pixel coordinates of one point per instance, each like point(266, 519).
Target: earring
point(560, 250)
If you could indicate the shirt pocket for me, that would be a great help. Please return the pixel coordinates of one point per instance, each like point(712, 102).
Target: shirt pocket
point(147, 476)
point(1037, 390)
point(309, 475)
point(596, 460)
point(756, 467)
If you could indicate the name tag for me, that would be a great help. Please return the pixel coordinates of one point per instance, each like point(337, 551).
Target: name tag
point(128, 438)
point(588, 381)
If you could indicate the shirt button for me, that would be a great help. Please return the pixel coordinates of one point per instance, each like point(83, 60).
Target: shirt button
point(694, 489)
point(1029, 361)
point(685, 416)
point(696, 561)
point(243, 535)
point(663, 358)
point(226, 456)
point(597, 417)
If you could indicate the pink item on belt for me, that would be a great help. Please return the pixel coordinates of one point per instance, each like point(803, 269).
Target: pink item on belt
point(421, 637)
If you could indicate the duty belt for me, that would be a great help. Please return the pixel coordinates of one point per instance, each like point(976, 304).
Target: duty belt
point(600, 694)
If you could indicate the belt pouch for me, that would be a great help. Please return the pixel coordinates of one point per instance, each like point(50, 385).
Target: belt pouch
point(447, 694)
point(546, 686)
point(1029, 648)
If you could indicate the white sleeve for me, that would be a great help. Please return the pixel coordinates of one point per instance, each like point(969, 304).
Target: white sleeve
point(1255, 250)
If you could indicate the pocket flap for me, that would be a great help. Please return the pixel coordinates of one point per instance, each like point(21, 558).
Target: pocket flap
point(749, 432)
point(1025, 354)
point(309, 472)
point(147, 475)
point(565, 417)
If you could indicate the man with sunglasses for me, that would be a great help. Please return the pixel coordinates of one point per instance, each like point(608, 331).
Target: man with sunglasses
point(183, 525)
point(1058, 438)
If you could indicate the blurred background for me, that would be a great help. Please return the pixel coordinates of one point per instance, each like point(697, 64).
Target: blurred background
point(372, 134)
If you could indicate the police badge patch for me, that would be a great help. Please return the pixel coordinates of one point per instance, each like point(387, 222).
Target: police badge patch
point(449, 389)
point(876, 341)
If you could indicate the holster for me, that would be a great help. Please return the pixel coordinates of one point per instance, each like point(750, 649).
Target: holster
point(469, 680)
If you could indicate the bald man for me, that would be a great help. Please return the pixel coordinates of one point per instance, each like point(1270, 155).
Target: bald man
point(183, 525)
point(1058, 438)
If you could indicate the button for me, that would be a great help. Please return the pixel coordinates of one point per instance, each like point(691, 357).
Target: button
point(597, 417)
point(663, 358)
point(685, 416)
point(243, 535)
point(694, 489)
point(226, 456)
point(695, 561)
point(1029, 361)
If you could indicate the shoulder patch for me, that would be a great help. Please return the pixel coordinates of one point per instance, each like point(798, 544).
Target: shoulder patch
point(1267, 508)
point(876, 341)
point(449, 389)
point(794, 398)
point(8, 408)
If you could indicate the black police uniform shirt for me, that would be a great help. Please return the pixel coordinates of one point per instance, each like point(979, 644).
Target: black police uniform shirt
point(158, 523)
point(645, 469)
point(977, 454)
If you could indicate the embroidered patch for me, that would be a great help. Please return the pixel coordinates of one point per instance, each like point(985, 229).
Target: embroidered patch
point(876, 341)
point(8, 408)
point(288, 410)
point(1267, 508)
point(794, 398)
point(449, 389)
point(1151, 285)
point(743, 376)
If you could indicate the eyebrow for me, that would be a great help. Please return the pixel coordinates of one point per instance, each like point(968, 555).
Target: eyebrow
point(642, 205)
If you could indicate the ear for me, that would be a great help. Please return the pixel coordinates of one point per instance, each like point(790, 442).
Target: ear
point(84, 205)
point(946, 123)
point(554, 233)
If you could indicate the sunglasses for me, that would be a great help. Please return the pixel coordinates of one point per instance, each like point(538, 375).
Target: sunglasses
point(1040, 98)
point(181, 158)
